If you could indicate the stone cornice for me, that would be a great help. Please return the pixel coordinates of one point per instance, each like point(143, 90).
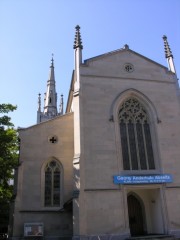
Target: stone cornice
point(125, 78)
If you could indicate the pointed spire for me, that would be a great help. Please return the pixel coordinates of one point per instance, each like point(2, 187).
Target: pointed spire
point(61, 105)
point(77, 40)
point(50, 98)
point(167, 49)
point(52, 60)
point(168, 55)
point(51, 74)
point(39, 102)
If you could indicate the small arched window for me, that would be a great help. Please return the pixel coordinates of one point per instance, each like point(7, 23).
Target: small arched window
point(52, 197)
point(137, 150)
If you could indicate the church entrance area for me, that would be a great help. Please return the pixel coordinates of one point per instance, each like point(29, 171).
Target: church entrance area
point(145, 212)
point(135, 212)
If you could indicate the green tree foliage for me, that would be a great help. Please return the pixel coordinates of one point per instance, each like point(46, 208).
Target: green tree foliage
point(8, 160)
point(8, 151)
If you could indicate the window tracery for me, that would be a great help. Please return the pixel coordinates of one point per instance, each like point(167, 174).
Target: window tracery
point(135, 134)
point(52, 184)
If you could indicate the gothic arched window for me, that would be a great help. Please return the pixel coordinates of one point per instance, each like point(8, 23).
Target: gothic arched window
point(52, 184)
point(135, 134)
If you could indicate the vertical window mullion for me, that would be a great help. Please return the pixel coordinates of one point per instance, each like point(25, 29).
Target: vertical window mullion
point(132, 145)
point(129, 153)
point(125, 147)
point(48, 189)
point(144, 140)
point(52, 187)
point(149, 146)
point(137, 147)
point(56, 196)
point(142, 154)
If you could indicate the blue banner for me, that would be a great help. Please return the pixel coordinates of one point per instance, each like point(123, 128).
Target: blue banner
point(143, 179)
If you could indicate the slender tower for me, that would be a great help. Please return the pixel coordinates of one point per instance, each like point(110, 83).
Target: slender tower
point(50, 99)
point(168, 55)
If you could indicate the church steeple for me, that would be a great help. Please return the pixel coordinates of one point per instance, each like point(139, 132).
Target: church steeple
point(50, 101)
point(50, 98)
point(169, 55)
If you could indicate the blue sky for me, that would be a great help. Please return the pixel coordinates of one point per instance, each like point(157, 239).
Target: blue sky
point(30, 31)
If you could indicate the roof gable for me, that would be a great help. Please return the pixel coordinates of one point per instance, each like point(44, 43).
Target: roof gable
point(113, 64)
point(46, 124)
point(120, 51)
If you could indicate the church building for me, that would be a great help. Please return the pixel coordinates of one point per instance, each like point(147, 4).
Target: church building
point(108, 167)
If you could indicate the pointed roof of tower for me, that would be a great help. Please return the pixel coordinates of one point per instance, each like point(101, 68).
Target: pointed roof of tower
point(51, 74)
point(167, 49)
point(52, 60)
point(50, 101)
point(77, 40)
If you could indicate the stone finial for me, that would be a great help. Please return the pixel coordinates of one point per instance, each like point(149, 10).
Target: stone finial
point(52, 60)
point(61, 105)
point(39, 102)
point(126, 46)
point(167, 49)
point(169, 56)
point(77, 40)
point(51, 73)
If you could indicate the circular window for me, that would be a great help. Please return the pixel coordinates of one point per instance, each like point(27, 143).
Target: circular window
point(128, 67)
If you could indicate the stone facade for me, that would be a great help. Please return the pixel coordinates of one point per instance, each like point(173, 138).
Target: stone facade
point(89, 147)
point(104, 85)
point(36, 150)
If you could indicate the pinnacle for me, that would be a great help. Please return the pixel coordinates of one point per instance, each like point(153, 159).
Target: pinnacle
point(77, 40)
point(167, 49)
point(77, 27)
point(52, 60)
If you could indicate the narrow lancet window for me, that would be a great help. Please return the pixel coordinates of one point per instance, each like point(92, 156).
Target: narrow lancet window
point(52, 184)
point(137, 150)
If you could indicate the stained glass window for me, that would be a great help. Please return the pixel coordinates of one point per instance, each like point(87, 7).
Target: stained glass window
point(137, 150)
point(52, 184)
